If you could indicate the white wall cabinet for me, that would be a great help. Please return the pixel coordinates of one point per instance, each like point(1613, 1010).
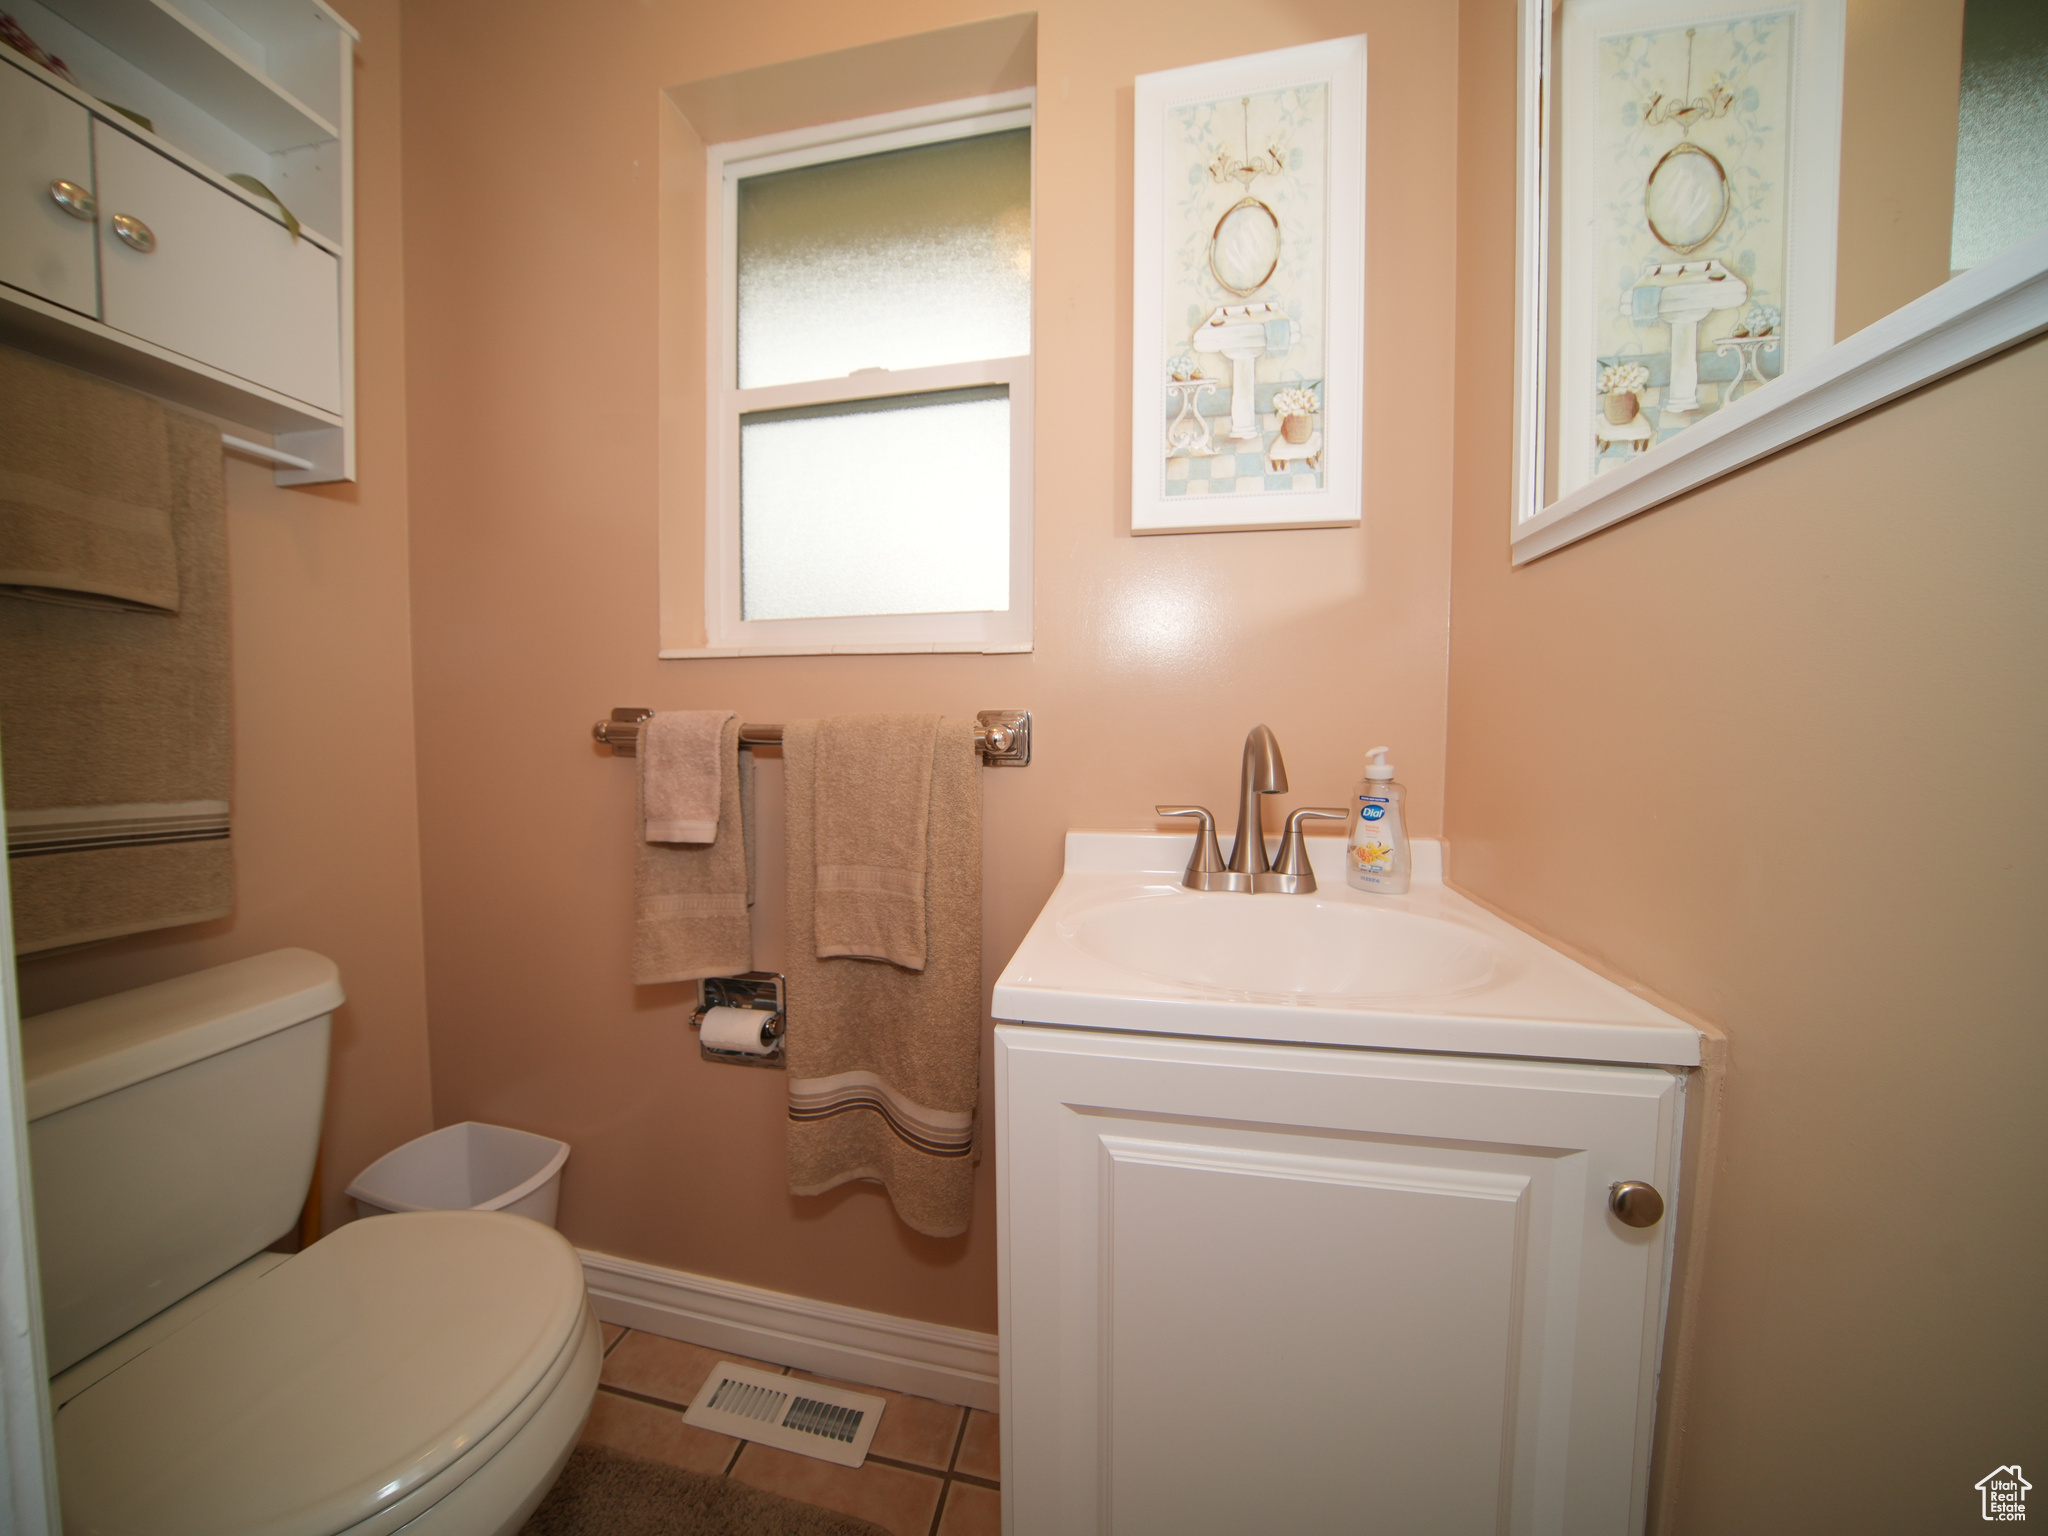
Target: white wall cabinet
point(222, 284)
point(1285, 1288)
point(217, 303)
point(45, 139)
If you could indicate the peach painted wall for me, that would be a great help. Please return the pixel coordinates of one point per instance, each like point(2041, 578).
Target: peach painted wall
point(532, 145)
point(1777, 749)
point(326, 832)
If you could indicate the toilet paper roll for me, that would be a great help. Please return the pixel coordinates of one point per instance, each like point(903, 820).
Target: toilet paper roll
point(735, 1029)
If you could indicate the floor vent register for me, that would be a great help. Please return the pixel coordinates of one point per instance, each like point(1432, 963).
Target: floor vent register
point(787, 1412)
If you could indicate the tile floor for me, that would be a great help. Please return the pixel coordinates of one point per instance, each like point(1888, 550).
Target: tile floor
point(933, 1469)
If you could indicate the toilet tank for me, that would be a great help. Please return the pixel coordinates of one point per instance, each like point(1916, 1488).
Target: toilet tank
point(172, 1132)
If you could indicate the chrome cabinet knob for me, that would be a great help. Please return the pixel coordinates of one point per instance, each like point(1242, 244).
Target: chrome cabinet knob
point(134, 234)
point(1635, 1204)
point(74, 200)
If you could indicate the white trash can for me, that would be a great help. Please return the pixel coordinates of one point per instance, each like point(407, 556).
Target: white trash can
point(466, 1167)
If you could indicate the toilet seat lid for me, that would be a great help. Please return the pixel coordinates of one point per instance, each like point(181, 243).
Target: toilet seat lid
point(337, 1384)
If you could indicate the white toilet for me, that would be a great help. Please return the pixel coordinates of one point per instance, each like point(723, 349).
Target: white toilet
point(429, 1371)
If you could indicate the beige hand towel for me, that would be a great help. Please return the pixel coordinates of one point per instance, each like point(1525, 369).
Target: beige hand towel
point(116, 726)
point(691, 900)
point(884, 1062)
point(680, 772)
point(874, 790)
point(85, 491)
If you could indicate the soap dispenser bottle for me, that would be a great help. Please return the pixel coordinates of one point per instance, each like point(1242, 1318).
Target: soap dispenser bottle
point(1377, 858)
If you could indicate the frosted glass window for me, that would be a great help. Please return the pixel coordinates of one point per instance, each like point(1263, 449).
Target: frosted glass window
point(907, 259)
point(876, 506)
point(2002, 134)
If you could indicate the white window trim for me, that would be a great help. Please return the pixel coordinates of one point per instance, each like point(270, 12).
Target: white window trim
point(726, 632)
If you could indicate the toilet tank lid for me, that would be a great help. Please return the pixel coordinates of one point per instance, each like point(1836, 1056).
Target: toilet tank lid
point(70, 1055)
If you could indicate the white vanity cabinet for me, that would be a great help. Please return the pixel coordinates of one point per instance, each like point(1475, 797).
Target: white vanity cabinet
point(1308, 1212)
point(1255, 1287)
point(126, 249)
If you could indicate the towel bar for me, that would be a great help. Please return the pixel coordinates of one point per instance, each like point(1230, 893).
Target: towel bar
point(1001, 736)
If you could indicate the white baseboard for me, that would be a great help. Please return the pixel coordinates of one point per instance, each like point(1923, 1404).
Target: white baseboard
point(875, 1349)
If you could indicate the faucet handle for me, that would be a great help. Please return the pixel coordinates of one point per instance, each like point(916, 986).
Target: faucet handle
point(1206, 870)
point(1291, 874)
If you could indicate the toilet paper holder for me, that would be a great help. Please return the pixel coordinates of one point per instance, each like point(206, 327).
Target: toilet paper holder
point(760, 990)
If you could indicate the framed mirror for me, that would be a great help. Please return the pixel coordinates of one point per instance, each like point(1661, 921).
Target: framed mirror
point(1741, 223)
point(1686, 197)
point(1245, 249)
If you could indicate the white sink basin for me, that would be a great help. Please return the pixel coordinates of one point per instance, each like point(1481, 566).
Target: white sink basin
point(1284, 948)
point(1121, 946)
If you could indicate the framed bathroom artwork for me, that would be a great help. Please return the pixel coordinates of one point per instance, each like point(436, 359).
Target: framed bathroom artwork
point(1698, 151)
point(1248, 292)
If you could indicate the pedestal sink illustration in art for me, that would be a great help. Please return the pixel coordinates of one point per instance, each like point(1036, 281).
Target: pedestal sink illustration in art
point(1243, 333)
point(1681, 294)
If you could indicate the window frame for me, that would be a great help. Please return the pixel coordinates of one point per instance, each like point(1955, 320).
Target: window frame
point(727, 632)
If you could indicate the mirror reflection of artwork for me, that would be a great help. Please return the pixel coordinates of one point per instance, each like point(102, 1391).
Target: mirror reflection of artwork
point(1737, 224)
point(1243, 294)
point(1696, 264)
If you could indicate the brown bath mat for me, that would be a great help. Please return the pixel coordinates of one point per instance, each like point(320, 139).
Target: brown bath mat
point(606, 1493)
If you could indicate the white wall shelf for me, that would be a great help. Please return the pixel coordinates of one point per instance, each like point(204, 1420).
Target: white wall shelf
point(230, 314)
point(173, 48)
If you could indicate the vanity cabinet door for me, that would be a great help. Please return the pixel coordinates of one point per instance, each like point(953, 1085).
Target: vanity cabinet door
point(45, 137)
point(1271, 1288)
point(221, 283)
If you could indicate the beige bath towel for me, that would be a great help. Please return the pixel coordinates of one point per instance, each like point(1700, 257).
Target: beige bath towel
point(691, 899)
point(116, 725)
point(681, 769)
point(884, 1062)
point(85, 491)
point(874, 791)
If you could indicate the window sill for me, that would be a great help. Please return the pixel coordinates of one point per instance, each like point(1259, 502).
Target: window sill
point(920, 648)
point(1967, 319)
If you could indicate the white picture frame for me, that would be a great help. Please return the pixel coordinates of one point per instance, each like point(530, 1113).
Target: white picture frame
point(1249, 228)
point(1783, 157)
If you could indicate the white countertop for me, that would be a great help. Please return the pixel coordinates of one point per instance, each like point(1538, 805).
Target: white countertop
point(1527, 1000)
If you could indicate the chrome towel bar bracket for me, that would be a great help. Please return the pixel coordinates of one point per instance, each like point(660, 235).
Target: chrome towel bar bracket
point(1001, 736)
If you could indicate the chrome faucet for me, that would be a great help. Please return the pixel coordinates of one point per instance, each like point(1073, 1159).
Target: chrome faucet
point(1264, 773)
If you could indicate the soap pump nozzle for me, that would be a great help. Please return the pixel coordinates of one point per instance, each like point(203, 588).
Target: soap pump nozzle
point(1376, 765)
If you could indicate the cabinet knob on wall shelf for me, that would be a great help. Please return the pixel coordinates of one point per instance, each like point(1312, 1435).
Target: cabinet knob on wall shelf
point(74, 199)
point(1637, 1204)
point(134, 234)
